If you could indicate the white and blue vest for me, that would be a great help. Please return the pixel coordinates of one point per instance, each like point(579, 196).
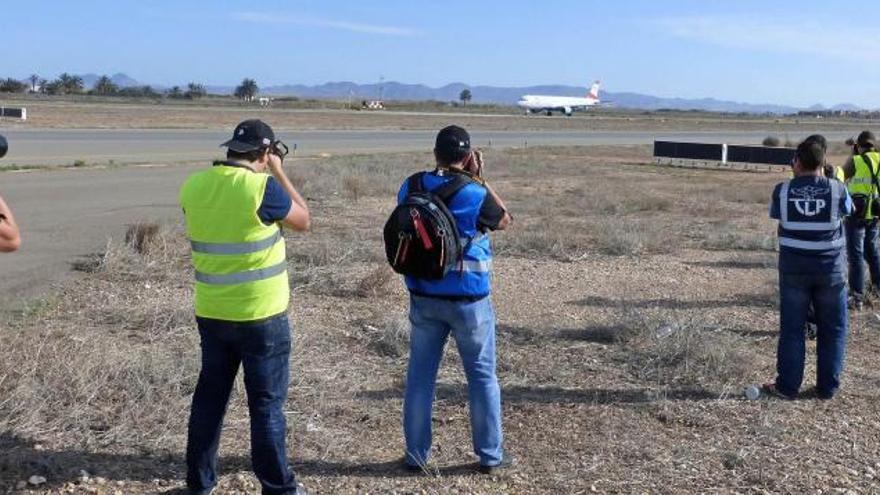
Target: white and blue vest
point(473, 279)
point(810, 212)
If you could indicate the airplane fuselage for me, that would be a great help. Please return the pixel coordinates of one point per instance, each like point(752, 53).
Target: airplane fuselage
point(564, 104)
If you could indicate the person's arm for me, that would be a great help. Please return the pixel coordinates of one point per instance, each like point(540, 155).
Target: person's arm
point(846, 206)
point(506, 219)
point(10, 239)
point(298, 217)
point(493, 215)
point(774, 203)
point(849, 168)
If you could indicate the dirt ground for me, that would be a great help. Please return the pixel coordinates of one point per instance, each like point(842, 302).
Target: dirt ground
point(634, 304)
point(55, 113)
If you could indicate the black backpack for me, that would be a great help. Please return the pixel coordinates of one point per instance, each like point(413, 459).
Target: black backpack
point(421, 236)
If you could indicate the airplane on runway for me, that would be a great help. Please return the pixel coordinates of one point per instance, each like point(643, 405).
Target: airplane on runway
point(565, 104)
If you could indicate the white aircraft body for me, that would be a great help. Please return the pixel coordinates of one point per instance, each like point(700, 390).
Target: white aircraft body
point(565, 104)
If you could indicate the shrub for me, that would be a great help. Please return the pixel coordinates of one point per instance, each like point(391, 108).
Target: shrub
point(771, 141)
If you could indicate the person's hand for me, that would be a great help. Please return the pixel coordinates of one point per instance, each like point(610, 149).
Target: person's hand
point(474, 163)
point(275, 164)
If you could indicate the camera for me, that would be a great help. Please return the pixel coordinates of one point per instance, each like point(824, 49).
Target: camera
point(280, 149)
point(851, 142)
point(4, 146)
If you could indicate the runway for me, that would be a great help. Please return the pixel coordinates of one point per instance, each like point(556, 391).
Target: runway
point(101, 146)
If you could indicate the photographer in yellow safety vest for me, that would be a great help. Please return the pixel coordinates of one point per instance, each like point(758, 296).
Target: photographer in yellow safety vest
point(234, 213)
point(860, 171)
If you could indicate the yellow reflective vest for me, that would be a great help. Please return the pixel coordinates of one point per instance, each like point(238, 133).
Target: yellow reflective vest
point(240, 262)
point(862, 181)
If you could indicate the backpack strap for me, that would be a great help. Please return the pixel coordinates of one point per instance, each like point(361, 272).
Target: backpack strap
point(414, 183)
point(451, 188)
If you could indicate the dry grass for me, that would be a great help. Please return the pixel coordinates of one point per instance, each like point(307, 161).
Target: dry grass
point(628, 321)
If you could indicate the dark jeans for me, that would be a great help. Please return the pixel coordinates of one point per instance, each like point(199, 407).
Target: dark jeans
point(827, 293)
point(263, 350)
point(861, 244)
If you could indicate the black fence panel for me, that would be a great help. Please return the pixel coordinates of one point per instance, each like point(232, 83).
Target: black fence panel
point(759, 154)
point(692, 151)
point(12, 112)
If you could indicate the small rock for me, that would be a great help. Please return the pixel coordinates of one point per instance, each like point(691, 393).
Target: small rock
point(120, 483)
point(21, 485)
point(36, 480)
point(101, 481)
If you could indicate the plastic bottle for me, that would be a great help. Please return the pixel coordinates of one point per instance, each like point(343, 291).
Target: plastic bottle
point(752, 392)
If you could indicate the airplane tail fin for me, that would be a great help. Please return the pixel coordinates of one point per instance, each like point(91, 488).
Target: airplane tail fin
point(594, 91)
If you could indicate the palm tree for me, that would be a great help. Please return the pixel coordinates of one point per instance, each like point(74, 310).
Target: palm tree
point(247, 90)
point(105, 86)
point(70, 83)
point(465, 96)
point(195, 91)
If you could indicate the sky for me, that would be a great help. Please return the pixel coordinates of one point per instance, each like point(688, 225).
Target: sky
point(786, 52)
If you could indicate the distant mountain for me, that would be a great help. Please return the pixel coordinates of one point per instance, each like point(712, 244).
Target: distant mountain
point(120, 79)
point(392, 90)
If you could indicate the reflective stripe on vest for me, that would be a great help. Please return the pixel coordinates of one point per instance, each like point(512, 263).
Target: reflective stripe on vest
point(833, 224)
point(483, 266)
point(812, 245)
point(235, 247)
point(241, 277)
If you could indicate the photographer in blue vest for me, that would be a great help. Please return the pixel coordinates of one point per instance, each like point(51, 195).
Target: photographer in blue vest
point(861, 170)
point(812, 270)
point(458, 304)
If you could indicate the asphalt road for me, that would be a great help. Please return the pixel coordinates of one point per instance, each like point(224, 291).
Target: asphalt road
point(69, 213)
point(64, 146)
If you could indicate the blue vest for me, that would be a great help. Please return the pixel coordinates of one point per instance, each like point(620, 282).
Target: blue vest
point(474, 278)
point(811, 211)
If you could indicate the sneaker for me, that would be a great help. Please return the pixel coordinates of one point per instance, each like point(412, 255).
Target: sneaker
point(855, 303)
point(770, 389)
point(816, 393)
point(506, 462)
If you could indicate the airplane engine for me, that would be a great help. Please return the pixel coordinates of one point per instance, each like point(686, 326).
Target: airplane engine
point(567, 111)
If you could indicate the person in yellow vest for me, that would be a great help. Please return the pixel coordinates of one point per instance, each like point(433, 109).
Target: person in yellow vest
point(234, 216)
point(860, 171)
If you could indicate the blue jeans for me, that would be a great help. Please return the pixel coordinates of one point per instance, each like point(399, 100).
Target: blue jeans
point(861, 243)
point(828, 294)
point(263, 350)
point(472, 325)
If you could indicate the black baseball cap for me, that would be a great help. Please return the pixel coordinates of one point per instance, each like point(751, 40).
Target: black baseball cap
point(250, 135)
point(4, 146)
point(453, 140)
point(866, 139)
